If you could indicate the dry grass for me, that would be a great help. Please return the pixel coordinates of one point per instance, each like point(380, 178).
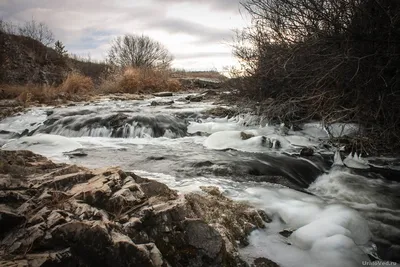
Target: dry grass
point(28, 93)
point(139, 80)
point(77, 84)
point(75, 87)
point(11, 91)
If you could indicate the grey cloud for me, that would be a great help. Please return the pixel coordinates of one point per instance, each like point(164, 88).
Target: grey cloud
point(202, 55)
point(11, 8)
point(77, 22)
point(20, 10)
point(227, 5)
point(203, 33)
point(84, 15)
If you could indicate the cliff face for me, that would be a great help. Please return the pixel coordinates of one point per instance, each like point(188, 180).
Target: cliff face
point(24, 60)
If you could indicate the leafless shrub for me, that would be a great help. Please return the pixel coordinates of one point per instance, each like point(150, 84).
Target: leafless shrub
point(37, 31)
point(8, 27)
point(332, 60)
point(138, 52)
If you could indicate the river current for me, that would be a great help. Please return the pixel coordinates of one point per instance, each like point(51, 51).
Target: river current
point(340, 211)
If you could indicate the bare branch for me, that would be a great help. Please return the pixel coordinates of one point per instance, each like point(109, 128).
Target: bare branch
point(37, 31)
point(138, 51)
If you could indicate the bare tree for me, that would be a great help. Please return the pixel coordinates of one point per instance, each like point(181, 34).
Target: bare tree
point(8, 27)
point(139, 51)
point(37, 31)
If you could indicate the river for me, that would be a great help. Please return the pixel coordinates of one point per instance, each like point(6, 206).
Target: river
point(338, 210)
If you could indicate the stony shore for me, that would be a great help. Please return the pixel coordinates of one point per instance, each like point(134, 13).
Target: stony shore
point(65, 215)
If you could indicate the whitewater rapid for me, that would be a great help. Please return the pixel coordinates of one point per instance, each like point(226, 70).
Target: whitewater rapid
point(335, 214)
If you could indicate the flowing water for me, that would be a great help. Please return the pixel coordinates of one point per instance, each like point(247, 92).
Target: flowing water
point(339, 212)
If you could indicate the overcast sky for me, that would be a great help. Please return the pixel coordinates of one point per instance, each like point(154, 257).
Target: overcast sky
point(197, 32)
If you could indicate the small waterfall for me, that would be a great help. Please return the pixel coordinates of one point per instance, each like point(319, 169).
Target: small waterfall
point(117, 125)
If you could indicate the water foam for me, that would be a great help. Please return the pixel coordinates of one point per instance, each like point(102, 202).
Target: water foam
point(47, 145)
point(323, 234)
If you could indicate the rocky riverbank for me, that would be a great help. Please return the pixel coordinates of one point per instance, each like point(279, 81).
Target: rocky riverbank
point(9, 108)
point(64, 215)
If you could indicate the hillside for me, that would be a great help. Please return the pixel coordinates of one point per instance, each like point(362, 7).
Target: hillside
point(27, 61)
point(24, 60)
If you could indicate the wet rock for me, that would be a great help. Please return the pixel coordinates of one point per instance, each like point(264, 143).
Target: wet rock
point(95, 246)
point(24, 133)
point(263, 262)
point(265, 141)
point(163, 94)
point(264, 216)
point(9, 220)
point(157, 103)
point(220, 112)
point(203, 237)
point(277, 144)
point(286, 233)
point(295, 127)
point(54, 258)
point(234, 217)
point(124, 197)
point(212, 190)
point(195, 98)
point(55, 218)
point(13, 198)
point(246, 136)
point(153, 188)
point(283, 129)
point(76, 153)
point(307, 152)
point(211, 92)
point(201, 164)
point(64, 180)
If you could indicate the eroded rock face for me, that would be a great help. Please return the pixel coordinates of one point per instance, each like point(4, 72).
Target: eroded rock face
point(60, 215)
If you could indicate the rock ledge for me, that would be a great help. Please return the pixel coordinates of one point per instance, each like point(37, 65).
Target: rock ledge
point(61, 215)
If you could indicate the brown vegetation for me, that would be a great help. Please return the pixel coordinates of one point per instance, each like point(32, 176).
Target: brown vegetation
point(88, 67)
point(139, 80)
point(334, 60)
point(77, 84)
point(75, 87)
